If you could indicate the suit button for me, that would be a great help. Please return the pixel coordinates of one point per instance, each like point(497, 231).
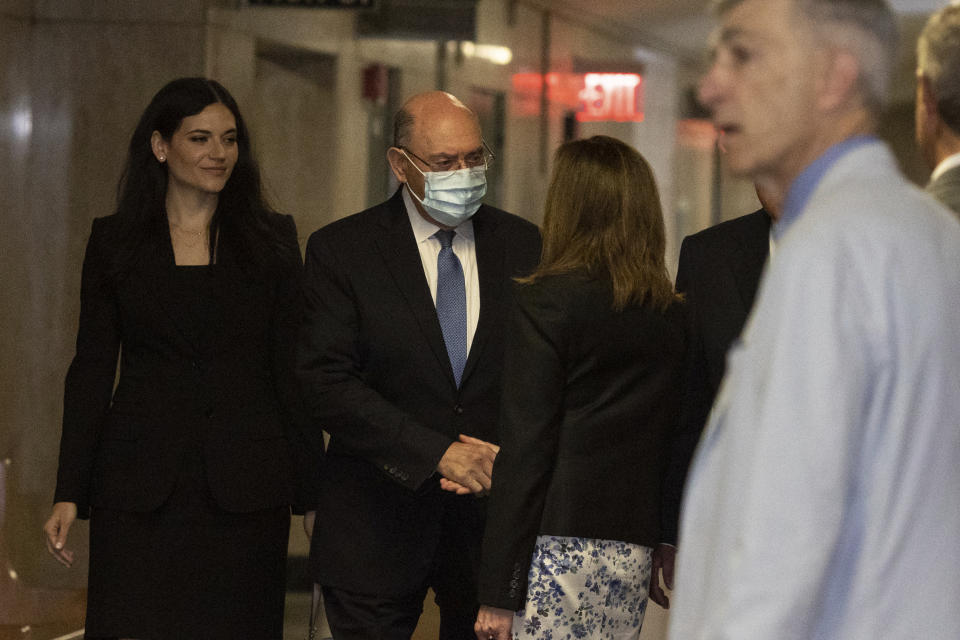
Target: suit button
point(209, 413)
point(457, 409)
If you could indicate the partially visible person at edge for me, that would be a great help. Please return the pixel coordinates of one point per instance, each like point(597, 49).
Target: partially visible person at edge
point(718, 276)
point(591, 397)
point(827, 476)
point(185, 468)
point(938, 103)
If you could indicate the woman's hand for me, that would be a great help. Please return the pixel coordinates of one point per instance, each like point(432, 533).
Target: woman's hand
point(664, 559)
point(309, 518)
point(493, 623)
point(56, 528)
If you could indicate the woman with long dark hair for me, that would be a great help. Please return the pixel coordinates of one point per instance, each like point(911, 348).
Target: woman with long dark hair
point(590, 403)
point(184, 466)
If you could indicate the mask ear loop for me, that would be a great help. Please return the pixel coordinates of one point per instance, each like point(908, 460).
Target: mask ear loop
point(410, 160)
point(409, 189)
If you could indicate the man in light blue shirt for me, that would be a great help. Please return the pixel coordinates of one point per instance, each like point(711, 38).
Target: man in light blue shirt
point(824, 500)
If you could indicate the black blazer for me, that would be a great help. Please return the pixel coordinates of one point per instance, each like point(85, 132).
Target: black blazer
point(232, 389)
point(590, 406)
point(377, 377)
point(719, 273)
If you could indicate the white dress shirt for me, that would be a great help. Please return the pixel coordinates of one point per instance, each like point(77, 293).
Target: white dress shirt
point(945, 165)
point(464, 247)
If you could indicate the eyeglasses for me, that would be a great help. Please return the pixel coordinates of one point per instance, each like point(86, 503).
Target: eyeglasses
point(445, 165)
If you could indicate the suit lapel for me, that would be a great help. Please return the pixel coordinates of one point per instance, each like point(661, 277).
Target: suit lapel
point(750, 252)
point(398, 247)
point(491, 276)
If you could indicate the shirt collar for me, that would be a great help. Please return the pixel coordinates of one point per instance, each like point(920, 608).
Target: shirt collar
point(945, 165)
point(423, 229)
point(806, 183)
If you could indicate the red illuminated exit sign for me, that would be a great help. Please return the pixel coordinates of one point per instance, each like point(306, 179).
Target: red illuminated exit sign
point(596, 97)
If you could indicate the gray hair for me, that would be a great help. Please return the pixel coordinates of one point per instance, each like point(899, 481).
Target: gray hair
point(402, 126)
point(866, 28)
point(938, 59)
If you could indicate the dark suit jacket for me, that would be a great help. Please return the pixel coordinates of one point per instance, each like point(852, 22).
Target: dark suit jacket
point(719, 273)
point(232, 390)
point(377, 377)
point(946, 188)
point(590, 407)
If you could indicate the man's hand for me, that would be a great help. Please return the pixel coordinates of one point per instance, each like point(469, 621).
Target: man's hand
point(467, 466)
point(664, 558)
point(56, 529)
point(308, 519)
point(493, 623)
point(454, 487)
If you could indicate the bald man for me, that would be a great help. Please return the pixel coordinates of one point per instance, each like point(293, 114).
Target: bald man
point(400, 359)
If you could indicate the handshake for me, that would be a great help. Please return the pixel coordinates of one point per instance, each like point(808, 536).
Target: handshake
point(467, 466)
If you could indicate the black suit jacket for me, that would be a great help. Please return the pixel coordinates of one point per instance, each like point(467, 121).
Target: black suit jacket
point(719, 273)
point(590, 408)
point(377, 377)
point(229, 386)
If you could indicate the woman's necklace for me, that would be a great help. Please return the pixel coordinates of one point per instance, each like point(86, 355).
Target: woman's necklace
point(190, 238)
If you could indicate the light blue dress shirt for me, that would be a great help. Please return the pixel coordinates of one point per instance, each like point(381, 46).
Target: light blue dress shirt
point(824, 498)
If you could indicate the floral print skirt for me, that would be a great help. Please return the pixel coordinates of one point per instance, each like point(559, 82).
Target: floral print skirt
point(585, 588)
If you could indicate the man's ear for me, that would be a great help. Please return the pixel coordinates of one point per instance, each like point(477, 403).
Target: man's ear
point(397, 163)
point(927, 99)
point(840, 83)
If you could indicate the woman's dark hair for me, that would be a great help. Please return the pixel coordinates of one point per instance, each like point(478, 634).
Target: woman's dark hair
point(242, 216)
point(603, 216)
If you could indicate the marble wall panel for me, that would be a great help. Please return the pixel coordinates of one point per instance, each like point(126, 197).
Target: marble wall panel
point(73, 89)
point(16, 129)
point(90, 82)
point(15, 8)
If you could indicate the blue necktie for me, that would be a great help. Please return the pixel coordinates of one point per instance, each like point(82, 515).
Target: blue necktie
point(452, 303)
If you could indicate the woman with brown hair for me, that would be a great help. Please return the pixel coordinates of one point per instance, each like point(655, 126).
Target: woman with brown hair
point(590, 403)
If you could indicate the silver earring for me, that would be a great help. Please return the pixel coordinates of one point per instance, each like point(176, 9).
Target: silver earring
point(162, 158)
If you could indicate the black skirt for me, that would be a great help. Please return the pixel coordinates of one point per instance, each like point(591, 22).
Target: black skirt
point(188, 569)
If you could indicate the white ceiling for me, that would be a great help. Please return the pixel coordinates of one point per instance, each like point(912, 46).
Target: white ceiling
point(682, 27)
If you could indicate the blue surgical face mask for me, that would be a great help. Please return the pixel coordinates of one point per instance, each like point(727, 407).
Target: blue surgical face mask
point(452, 197)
